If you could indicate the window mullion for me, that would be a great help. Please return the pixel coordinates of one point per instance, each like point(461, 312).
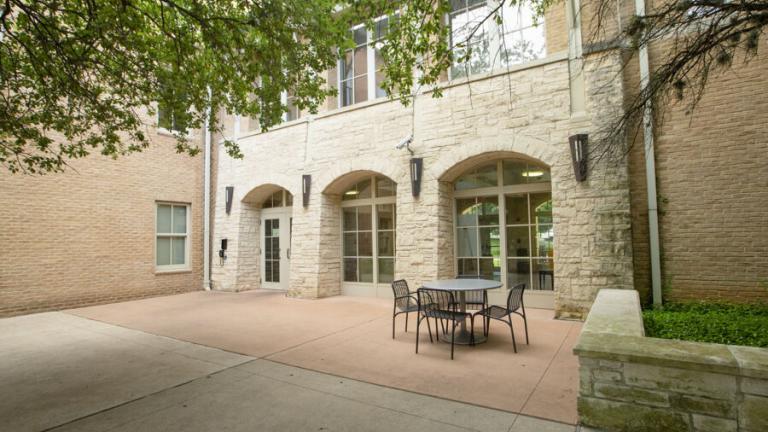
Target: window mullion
point(371, 60)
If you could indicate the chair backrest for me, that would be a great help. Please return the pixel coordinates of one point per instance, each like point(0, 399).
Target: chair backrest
point(515, 297)
point(401, 292)
point(431, 299)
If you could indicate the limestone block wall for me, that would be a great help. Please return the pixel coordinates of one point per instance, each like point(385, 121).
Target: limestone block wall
point(629, 382)
point(521, 113)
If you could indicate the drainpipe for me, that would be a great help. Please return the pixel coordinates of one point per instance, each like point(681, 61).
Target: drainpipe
point(650, 169)
point(207, 201)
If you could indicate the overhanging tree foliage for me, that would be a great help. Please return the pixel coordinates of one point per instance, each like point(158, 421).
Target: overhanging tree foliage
point(77, 74)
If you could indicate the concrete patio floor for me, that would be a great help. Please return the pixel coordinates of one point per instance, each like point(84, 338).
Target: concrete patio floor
point(351, 337)
point(65, 373)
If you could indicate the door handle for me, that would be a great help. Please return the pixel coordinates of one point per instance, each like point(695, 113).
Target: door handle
point(288, 254)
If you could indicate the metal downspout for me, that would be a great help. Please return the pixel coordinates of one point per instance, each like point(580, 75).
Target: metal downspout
point(207, 202)
point(650, 169)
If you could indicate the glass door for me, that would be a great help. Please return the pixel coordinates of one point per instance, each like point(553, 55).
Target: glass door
point(276, 252)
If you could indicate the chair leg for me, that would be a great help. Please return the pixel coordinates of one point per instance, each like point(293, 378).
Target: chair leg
point(393, 323)
point(512, 329)
point(525, 321)
point(453, 338)
point(428, 328)
point(418, 322)
point(406, 322)
point(472, 330)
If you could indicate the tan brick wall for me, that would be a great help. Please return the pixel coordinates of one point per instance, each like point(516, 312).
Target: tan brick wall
point(87, 236)
point(712, 175)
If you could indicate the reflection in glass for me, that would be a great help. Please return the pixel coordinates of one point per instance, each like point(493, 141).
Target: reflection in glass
point(543, 240)
point(386, 270)
point(364, 243)
point(468, 266)
point(179, 219)
point(490, 269)
point(385, 187)
point(350, 244)
point(467, 242)
point(364, 218)
point(163, 251)
point(517, 209)
point(484, 176)
point(386, 243)
point(350, 219)
point(488, 210)
point(178, 248)
point(386, 214)
point(466, 210)
point(518, 271)
point(490, 242)
point(541, 208)
point(543, 274)
point(366, 269)
point(517, 241)
point(350, 269)
point(163, 218)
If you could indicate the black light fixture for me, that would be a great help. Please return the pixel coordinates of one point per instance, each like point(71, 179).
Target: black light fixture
point(306, 182)
point(579, 155)
point(230, 192)
point(417, 165)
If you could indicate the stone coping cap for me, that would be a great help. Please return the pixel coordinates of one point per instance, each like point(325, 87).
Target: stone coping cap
point(614, 331)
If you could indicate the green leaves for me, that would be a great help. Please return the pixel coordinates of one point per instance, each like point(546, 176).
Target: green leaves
point(82, 76)
point(710, 322)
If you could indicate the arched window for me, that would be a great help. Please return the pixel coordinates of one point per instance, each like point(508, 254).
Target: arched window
point(368, 230)
point(504, 223)
point(281, 198)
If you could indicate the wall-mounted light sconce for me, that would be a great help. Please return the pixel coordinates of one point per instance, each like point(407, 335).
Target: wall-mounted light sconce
point(230, 192)
point(306, 183)
point(579, 155)
point(417, 165)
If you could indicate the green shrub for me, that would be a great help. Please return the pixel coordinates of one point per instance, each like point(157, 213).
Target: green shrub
point(709, 322)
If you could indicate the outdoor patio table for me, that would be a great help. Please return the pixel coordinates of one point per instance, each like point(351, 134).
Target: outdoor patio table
point(461, 286)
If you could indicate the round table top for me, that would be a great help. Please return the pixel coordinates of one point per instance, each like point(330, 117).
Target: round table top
point(463, 284)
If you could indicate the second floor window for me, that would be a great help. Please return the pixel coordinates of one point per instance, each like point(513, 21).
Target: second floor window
point(353, 70)
point(481, 45)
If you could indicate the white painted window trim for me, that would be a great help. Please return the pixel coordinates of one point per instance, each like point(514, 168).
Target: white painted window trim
point(495, 38)
point(173, 267)
point(373, 202)
point(499, 191)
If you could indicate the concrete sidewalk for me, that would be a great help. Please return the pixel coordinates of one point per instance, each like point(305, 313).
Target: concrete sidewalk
point(66, 373)
point(352, 337)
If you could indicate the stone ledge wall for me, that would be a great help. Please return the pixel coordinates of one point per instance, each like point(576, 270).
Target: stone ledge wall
point(629, 382)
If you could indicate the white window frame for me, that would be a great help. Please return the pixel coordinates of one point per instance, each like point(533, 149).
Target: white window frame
point(370, 67)
point(495, 40)
point(167, 131)
point(173, 267)
point(373, 202)
point(500, 191)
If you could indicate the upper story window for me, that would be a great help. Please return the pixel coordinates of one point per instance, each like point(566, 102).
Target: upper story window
point(169, 120)
point(172, 237)
point(492, 46)
point(361, 69)
point(289, 100)
point(353, 70)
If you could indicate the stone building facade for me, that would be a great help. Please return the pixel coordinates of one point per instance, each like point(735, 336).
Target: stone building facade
point(523, 113)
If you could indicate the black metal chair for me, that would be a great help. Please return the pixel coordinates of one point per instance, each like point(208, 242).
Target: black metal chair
point(405, 302)
point(514, 306)
point(440, 305)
